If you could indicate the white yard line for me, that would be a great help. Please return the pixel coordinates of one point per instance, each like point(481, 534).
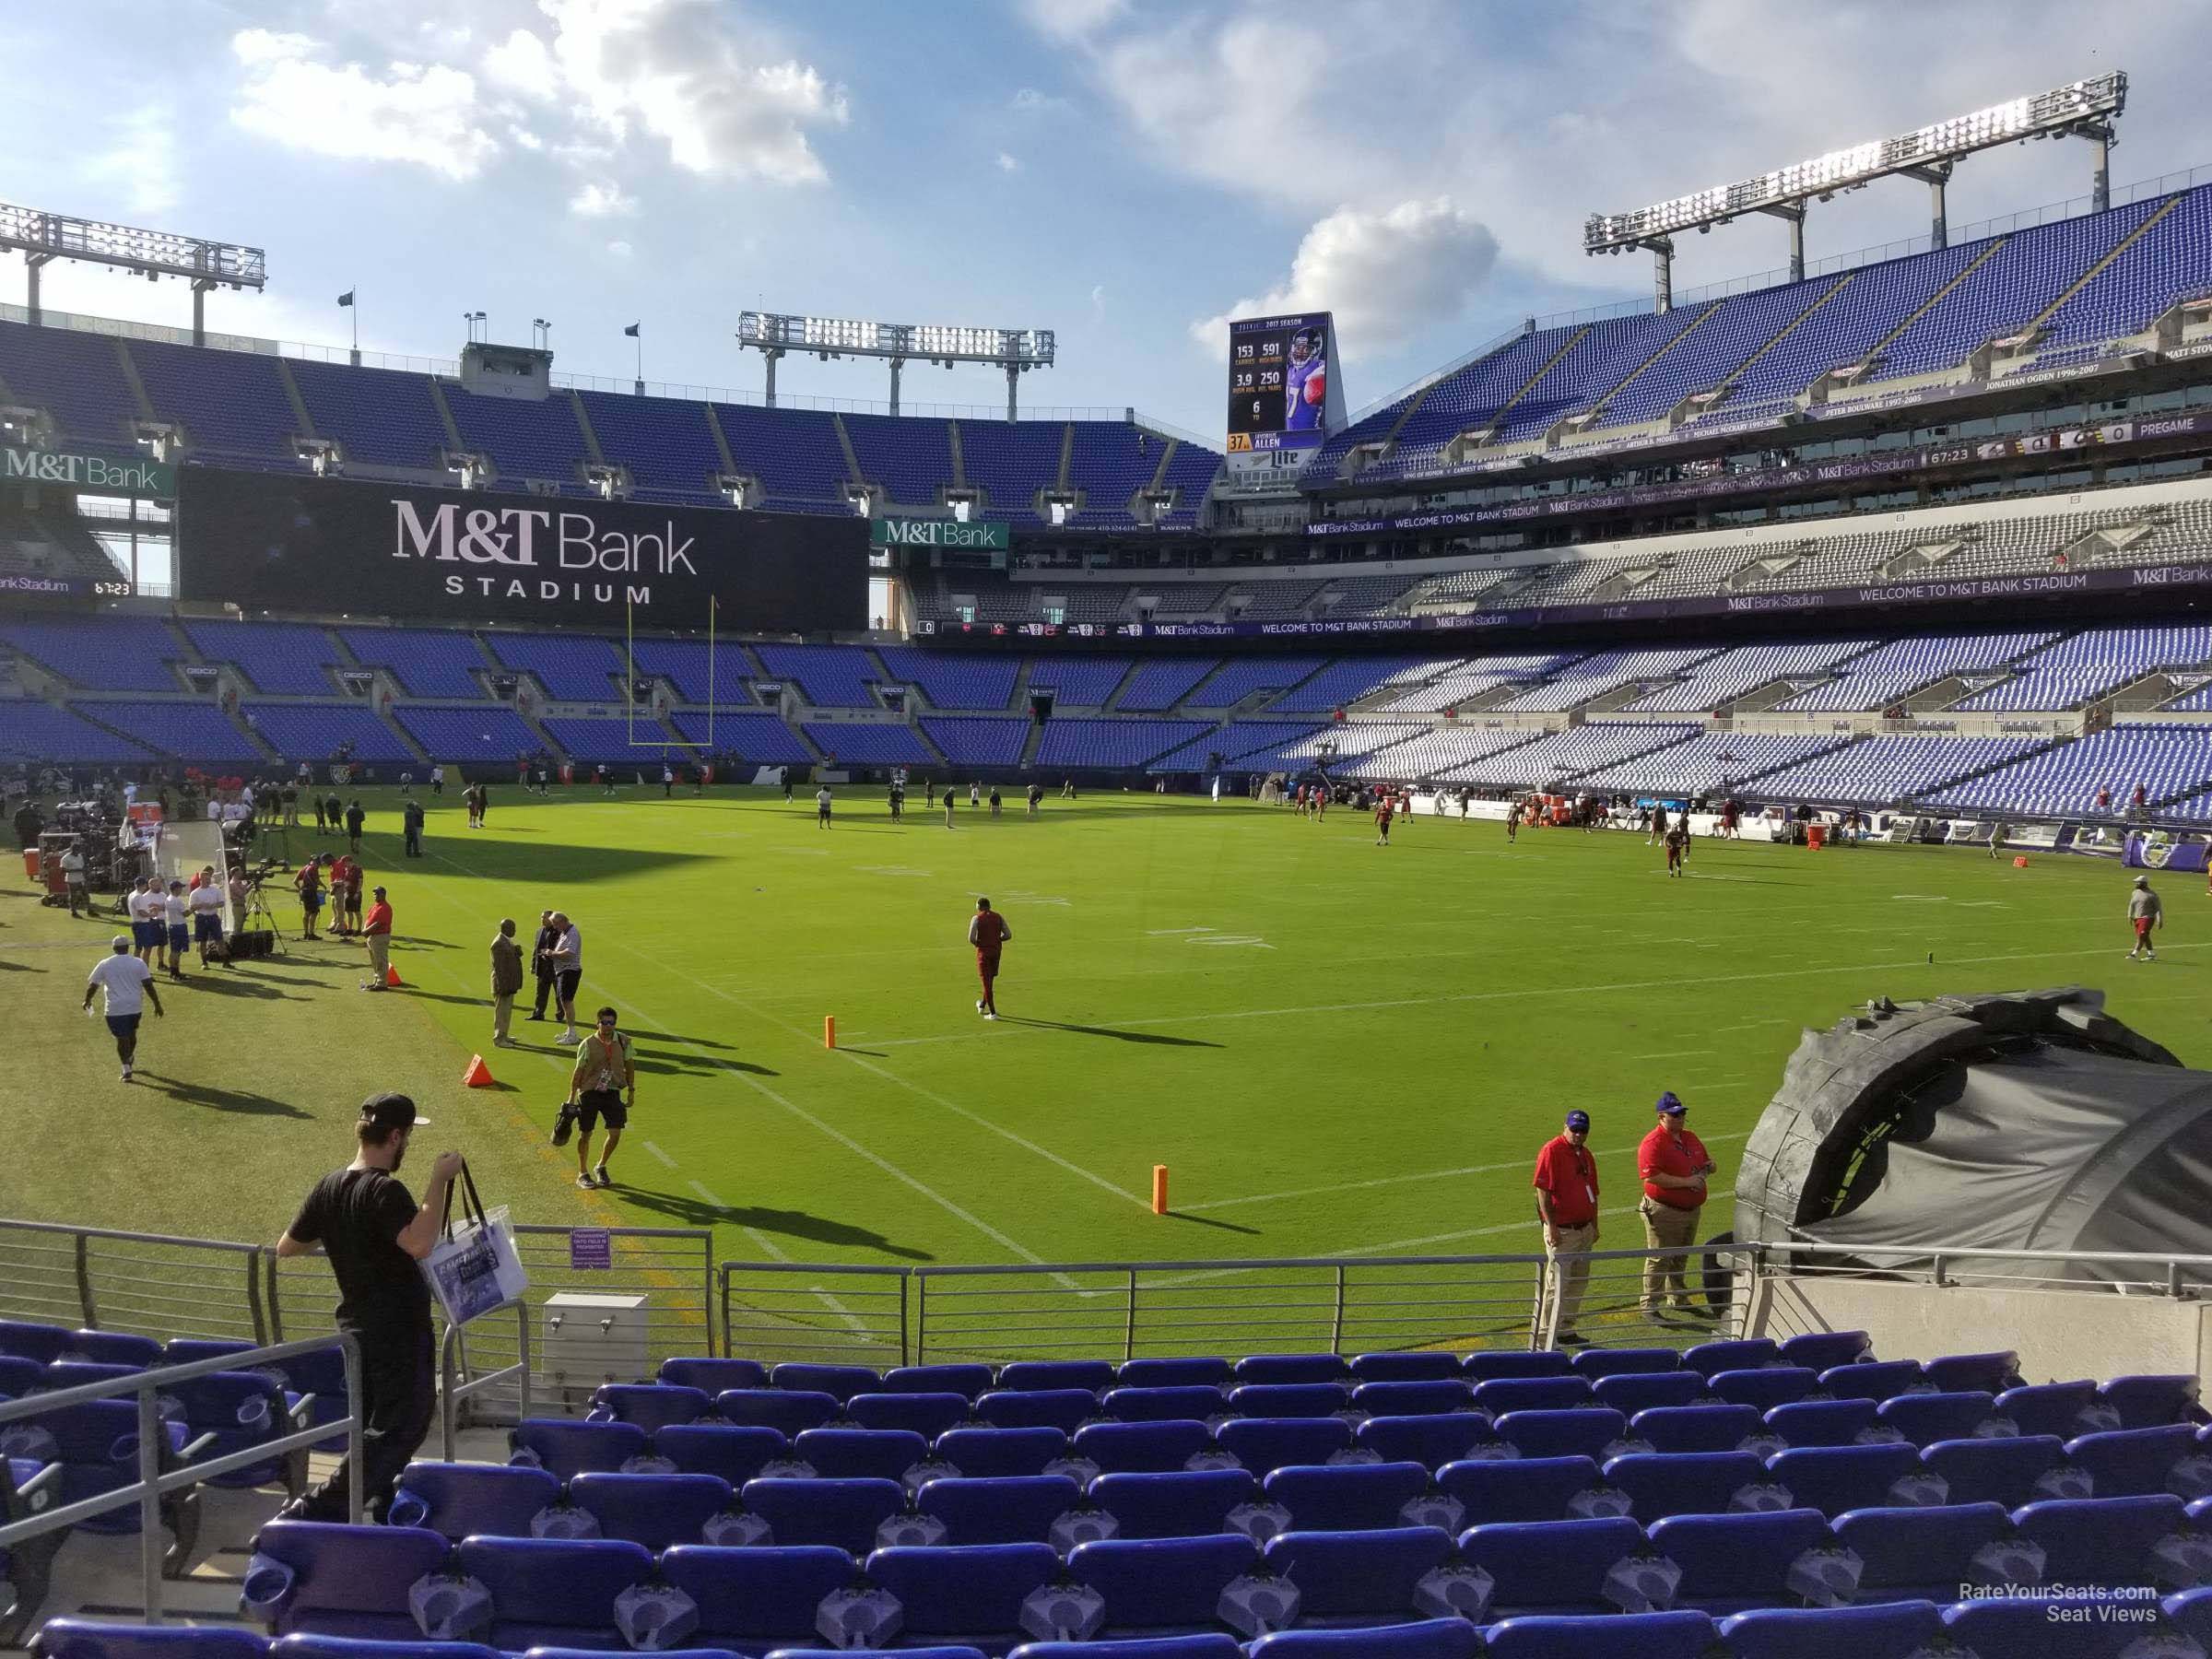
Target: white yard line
point(769, 1248)
point(667, 1162)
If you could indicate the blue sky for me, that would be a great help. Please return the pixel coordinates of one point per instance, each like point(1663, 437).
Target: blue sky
point(1123, 172)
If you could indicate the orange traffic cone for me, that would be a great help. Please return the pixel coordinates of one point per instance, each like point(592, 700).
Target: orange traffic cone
point(2019, 864)
point(478, 1074)
point(392, 977)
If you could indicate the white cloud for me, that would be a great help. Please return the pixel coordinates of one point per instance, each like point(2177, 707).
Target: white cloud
point(1008, 163)
point(1031, 101)
point(599, 200)
point(1097, 300)
point(523, 64)
point(1385, 274)
point(1073, 19)
point(619, 248)
point(425, 115)
point(139, 169)
point(523, 138)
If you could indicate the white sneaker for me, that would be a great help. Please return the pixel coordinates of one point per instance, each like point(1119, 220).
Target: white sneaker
point(126, 1074)
point(988, 1015)
point(569, 1036)
point(585, 1182)
point(979, 1005)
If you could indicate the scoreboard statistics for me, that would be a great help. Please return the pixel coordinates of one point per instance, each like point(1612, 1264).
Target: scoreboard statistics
point(1278, 383)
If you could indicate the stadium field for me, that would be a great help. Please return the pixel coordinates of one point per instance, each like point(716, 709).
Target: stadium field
point(1335, 1047)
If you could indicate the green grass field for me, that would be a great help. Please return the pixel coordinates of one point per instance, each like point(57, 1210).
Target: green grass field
point(1336, 1048)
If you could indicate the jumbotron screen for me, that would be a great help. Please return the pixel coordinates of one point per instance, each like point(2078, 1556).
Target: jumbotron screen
point(264, 541)
point(1279, 383)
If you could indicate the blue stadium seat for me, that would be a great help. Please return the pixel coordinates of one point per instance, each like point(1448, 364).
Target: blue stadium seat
point(1142, 1448)
point(97, 1445)
point(1489, 1364)
point(1406, 1365)
point(1519, 1488)
point(789, 1411)
point(1351, 1578)
point(1185, 1503)
point(650, 1406)
point(1146, 1404)
point(754, 1599)
point(2052, 1627)
point(841, 1512)
point(1284, 1399)
point(840, 1382)
point(2150, 1401)
point(457, 1499)
point(1766, 1388)
point(1291, 1368)
point(241, 1410)
point(42, 1343)
point(1695, 1428)
point(860, 1454)
point(1066, 1409)
point(1214, 1646)
point(1430, 1639)
point(1555, 1566)
point(736, 1452)
point(1265, 1443)
point(2189, 1611)
point(1162, 1586)
point(1502, 1395)
point(1732, 1562)
point(19, 1376)
point(87, 1639)
point(1920, 1554)
point(1897, 1630)
point(1345, 1497)
point(1095, 1376)
point(992, 1452)
point(2048, 1408)
point(1992, 1373)
point(964, 1593)
point(712, 1376)
point(1002, 1509)
point(1675, 1635)
point(928, 1415)
point(1586, 1433)
point(576, 1448)
point(1176, 1372)
point(1598, 1362)
point(1876, 1380)
point(1823, 1422)
point(1825, 1349)
point(966, 1379)
point(1686, 1483)
point(1433, 1442)
point(1834, 1479)
point(1739, 1353)
point(2127, 1461)
point(2104, 1541)
point(554, 1591)
point(657, 1510)
point(1632, 1392)
point(1924, 1418)
point(340, 1580)
point(1412, 1397)
point(2003, 1470)
point(432, 1650)
point(111, 1347)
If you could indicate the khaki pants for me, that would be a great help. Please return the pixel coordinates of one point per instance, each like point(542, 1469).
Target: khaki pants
point(1569, 1275)
point(502, 1013)
point(380, 957)
point(1665, 1228)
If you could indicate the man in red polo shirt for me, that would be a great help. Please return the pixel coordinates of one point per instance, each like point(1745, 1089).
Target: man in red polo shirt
point(378, 931)
point(988, 931)
point(1674, 1166)
point(1566, 1185)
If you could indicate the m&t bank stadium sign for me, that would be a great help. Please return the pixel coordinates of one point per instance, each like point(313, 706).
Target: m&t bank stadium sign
point(77, 469)
point(939, 532)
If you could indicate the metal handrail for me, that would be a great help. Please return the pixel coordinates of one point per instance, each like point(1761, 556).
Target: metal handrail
point(452, 1391)
point(154, 1483)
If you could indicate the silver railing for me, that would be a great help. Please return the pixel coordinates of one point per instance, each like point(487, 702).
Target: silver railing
point(1968, 1267)
point(458, 1382)
point(148, 1284)
point(161, 1474)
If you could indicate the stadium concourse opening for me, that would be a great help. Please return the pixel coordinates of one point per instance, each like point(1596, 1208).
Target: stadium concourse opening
point(1416, 1031)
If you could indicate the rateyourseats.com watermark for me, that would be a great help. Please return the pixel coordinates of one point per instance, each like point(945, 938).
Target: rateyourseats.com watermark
point(2078, 1604)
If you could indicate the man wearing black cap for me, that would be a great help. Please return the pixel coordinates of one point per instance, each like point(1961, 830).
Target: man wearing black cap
point(369, 1225)
point(1565, 1187)
point(1674, 1166)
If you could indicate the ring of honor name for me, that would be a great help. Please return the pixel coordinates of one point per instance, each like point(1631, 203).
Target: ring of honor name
point(540, 539)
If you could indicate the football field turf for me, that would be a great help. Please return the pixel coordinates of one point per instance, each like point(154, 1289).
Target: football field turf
point(1336, 1048)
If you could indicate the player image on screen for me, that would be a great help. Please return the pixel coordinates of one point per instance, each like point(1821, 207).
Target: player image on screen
point(1305, 383)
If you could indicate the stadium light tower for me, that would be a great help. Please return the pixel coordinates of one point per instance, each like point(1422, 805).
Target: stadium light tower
point(2084, 109)
point(1016, 351)
point(42, 237)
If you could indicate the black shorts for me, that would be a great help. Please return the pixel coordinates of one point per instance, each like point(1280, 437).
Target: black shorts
point(565, 983)
point(596, 1103)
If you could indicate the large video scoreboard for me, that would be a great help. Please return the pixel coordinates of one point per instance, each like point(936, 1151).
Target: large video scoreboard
point(1282, 396)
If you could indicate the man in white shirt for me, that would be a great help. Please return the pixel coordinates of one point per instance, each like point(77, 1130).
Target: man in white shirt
point(146, 913)
point(73, 878)
point(821, 807)
point(129, 984)
point(437, 780)
point(173, 911)
point(206, 902)
point(567, 960)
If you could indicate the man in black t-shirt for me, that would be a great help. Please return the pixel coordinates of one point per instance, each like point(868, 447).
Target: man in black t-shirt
point(367, 1222)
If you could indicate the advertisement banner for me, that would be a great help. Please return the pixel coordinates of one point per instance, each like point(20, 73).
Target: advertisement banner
point(449, 555)
point(2159, 850)
point(995, 537)
point(80, 468)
